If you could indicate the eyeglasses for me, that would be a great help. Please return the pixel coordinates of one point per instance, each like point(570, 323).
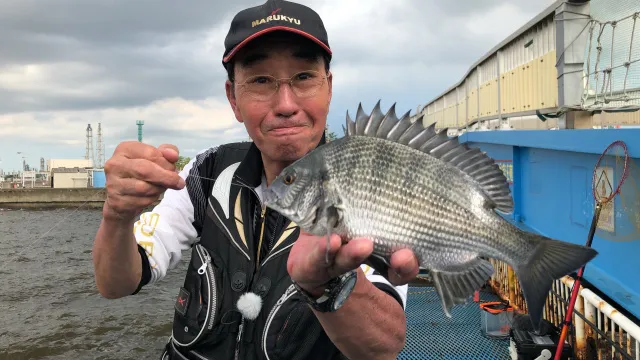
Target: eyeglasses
point(303, 84)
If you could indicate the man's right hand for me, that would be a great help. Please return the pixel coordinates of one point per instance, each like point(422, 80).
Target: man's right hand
point(136, 175)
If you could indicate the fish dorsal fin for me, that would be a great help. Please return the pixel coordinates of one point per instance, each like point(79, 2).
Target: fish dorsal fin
point(475, 163)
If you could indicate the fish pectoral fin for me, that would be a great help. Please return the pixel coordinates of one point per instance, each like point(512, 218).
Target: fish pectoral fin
point(329, 210)
point(333, 207)
point(340, 210)
point(456, 286)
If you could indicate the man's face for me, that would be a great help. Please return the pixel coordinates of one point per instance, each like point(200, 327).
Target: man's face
point(284, 126)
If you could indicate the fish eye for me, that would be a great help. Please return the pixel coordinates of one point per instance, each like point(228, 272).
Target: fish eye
point(289, 179)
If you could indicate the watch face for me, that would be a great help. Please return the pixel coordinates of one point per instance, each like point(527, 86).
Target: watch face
point(344, 292)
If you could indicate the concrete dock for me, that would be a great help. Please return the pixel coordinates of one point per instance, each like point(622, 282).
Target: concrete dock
point(43, 198)
point(48, 198)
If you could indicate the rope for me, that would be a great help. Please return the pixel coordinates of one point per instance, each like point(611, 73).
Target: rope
point(605, 92)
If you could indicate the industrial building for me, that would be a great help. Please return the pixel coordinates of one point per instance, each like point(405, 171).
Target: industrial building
point(80, 173)
point(68, 163)
point(64, 173)
point(74, 173)
point(75, 177)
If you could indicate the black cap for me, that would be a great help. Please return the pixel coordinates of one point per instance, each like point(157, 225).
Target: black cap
point(273, 15)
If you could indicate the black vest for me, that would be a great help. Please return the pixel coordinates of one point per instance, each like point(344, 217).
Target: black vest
point(223, 266)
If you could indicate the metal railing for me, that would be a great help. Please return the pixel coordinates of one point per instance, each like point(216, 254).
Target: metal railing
point(599, 330)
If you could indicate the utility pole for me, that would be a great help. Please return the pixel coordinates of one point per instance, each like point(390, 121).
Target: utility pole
point(140, 123)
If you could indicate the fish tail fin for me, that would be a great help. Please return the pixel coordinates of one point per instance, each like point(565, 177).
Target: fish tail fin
point(550, 260)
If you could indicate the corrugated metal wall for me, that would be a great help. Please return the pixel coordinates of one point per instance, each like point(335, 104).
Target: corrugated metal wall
point(472, 95)
point(450, 106)
point(521, 76)
point(462, 106)
point(489, 87)
point(528, 76)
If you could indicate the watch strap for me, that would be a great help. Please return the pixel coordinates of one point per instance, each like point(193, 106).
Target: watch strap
point(325, 302)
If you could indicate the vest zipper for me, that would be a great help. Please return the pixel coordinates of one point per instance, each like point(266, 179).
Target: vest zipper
point(206, 270)
point(290, 291)
point(262, 218)
point(287, 294)
point(262, 221)
point(238, 338)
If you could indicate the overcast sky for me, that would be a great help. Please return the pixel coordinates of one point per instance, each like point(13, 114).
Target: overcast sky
point(67, 63)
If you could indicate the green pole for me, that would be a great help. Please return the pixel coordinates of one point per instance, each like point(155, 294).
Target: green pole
point(140, 123)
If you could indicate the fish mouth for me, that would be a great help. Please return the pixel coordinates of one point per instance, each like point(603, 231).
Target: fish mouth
point(274, 197)
point(274, 194)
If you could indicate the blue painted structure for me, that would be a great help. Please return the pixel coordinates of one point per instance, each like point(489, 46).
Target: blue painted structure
point(99, 178)
point(551, 177)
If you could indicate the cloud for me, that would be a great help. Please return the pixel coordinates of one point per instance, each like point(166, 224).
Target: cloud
point(67, 63)
point(209, 121)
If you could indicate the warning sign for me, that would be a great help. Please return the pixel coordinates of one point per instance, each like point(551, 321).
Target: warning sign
point(507, 169)
point(604, 187)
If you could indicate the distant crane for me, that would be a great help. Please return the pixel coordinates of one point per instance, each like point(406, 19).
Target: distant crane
point(140, 123)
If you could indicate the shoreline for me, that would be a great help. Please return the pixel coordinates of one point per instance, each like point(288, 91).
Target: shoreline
point(92, 205)
point(49, 198)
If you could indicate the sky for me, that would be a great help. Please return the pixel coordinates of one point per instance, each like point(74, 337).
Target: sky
point(68, 63)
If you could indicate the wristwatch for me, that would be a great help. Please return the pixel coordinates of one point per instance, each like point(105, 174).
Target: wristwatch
point(335, 293)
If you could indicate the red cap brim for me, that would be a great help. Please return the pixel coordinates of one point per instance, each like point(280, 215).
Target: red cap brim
point(262, 32)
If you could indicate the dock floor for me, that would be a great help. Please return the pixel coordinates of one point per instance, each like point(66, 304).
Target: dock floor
point(431, 335)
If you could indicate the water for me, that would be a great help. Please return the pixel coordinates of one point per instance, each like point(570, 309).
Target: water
point(49, 305)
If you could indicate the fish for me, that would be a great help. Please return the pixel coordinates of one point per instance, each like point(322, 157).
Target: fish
point(405, 185)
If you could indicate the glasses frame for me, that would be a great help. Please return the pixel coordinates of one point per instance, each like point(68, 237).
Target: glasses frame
point(288, 81)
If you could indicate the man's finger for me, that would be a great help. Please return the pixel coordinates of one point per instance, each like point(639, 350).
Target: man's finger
point(138, 150)
point(153, 173)
point(404, 267)
point(165, 161)
point(320, 250)
point(352, 255)
point(169, 146)
point(306, 263)
point(170, 152)
point(139, 188)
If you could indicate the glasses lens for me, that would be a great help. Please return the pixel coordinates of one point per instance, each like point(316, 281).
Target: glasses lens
point(260, 86)
point(303, 84)
point(306, 83)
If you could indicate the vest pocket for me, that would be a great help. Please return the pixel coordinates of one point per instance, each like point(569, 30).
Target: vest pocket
point(291, 329)
point(198, 304)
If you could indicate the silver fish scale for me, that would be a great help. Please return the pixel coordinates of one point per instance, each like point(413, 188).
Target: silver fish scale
point(402, 198)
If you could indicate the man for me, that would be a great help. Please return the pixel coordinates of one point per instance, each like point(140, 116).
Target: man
point(255, 285)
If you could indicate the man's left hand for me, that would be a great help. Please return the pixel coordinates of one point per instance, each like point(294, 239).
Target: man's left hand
point(307, 265)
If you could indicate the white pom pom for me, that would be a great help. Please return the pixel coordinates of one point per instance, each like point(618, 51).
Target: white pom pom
point(249, 305)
